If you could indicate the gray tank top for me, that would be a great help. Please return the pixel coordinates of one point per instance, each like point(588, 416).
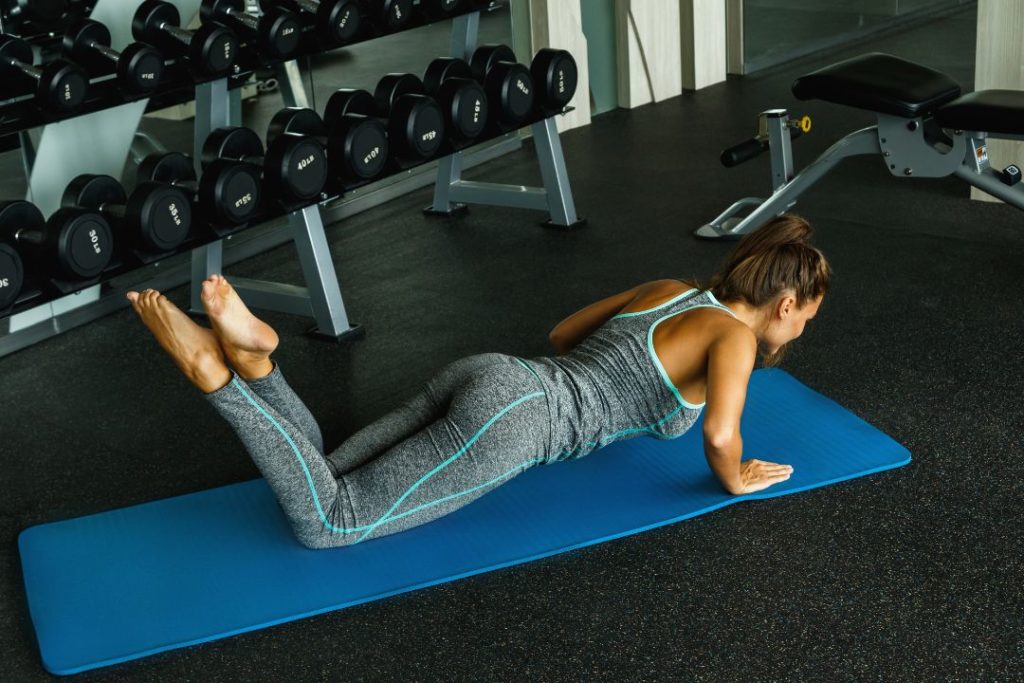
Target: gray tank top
point(612, 385)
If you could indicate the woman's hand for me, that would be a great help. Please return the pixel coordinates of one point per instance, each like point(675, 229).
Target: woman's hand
point(757, 475)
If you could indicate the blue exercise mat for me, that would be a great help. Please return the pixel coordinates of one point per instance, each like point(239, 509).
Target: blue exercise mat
point(124, 584)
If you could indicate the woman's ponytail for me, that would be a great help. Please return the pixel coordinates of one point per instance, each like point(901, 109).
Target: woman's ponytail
point(774, 258)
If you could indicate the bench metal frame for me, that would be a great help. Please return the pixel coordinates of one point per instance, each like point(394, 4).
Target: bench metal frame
point(902, 145)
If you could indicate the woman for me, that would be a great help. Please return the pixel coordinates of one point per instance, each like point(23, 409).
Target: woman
point(643, 362)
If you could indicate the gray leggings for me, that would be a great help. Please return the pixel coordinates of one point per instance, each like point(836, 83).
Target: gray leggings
point(479, 422)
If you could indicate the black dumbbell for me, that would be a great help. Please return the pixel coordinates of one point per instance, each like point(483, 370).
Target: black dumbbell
point(336, 22)
point(554, 75)
point(138, 68)
point(277, 33)
point(433, 10)
point(463, 100)
point(229, 197)
point(389, 16)
point(415, 121)
point(42, 12)
point(12, 271)
point(74, 244)
point(210, 49)
point(295, 163)
point(508, 84)
point(60, 86)
point(357, 141)
point(156, 218)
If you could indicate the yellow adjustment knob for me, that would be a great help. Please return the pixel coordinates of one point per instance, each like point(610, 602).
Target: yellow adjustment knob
point(805, 124)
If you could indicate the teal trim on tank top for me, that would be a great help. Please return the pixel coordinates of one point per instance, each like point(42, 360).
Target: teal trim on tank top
point(659, 306)
point(657, 361)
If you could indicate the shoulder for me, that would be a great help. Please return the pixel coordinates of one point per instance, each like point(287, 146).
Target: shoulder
point(733, 338)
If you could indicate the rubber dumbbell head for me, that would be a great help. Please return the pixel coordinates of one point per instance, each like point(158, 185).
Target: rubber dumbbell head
point(357, 145)
point(554, 75)
point(60, 86)
point(486, 57)
point(277, 33)
point(508, 84)
point(390, 15)
point(296, 156)
point(157, 217)
point(462, 99)
point(73, 244)
point(12, 275)
point(231, 181)
point(415, 121)
point(228, 195)
point(12, 270)
point(42, 12)
point(210, 50)
point(139, 66)
point(336, 22)
point(81, 240)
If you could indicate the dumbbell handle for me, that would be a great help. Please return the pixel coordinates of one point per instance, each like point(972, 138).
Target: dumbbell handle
point(181, 35)
point(244, 18)
point(310, 6)
point(33, 236)
point(105, 50)
point(27, 69)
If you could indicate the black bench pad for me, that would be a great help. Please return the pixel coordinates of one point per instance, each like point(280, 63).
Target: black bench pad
point(989, 111)
point(881, 83)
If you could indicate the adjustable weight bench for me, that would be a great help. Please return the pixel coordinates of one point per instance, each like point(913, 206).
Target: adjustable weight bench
point(925, 129)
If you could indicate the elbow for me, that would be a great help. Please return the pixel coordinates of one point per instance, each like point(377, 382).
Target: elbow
point(720, 439)
point(556, 342)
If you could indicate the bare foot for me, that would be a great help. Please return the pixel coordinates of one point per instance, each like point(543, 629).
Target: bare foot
point(246, 340)
point(194, 349)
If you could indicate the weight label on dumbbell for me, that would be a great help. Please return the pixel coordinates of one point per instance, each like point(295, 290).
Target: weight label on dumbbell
point(227, 51)
point(430, 135)
point(398, 11)
point(243, 200)
point(522, 86)
point(4, 282)
point(67, 92)
point(308, 161)
point(374, 153)
point(95, 239)
point(175, 214)
point(561, 81)
point(344, 19)
point(287, 32)
point(150, 76)
point(476, 110)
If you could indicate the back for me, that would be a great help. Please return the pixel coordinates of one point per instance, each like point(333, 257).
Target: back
point(613, 386)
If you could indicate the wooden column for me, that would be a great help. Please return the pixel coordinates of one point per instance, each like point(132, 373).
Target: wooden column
point(649, 54)
point(702, 35)
point(999, 63)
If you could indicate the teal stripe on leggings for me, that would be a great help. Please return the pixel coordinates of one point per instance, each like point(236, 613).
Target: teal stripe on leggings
point(386, 517)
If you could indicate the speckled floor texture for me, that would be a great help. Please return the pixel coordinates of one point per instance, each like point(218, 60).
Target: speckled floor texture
point(910, 575)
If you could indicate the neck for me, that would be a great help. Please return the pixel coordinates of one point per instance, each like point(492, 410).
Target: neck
point(752, 317)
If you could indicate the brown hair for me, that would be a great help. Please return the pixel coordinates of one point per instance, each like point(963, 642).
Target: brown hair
point(770, 260)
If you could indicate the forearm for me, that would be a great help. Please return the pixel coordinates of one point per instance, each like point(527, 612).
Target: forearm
point(724, 460)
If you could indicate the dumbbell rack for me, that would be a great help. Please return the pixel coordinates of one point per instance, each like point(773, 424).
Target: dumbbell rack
point(451, 193)
point(218, 105)
point(321, 299)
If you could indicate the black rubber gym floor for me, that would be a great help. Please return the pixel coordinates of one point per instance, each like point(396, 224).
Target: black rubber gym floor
point(914, 574)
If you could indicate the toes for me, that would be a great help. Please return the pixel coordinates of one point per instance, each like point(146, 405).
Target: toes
point(209, 288)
